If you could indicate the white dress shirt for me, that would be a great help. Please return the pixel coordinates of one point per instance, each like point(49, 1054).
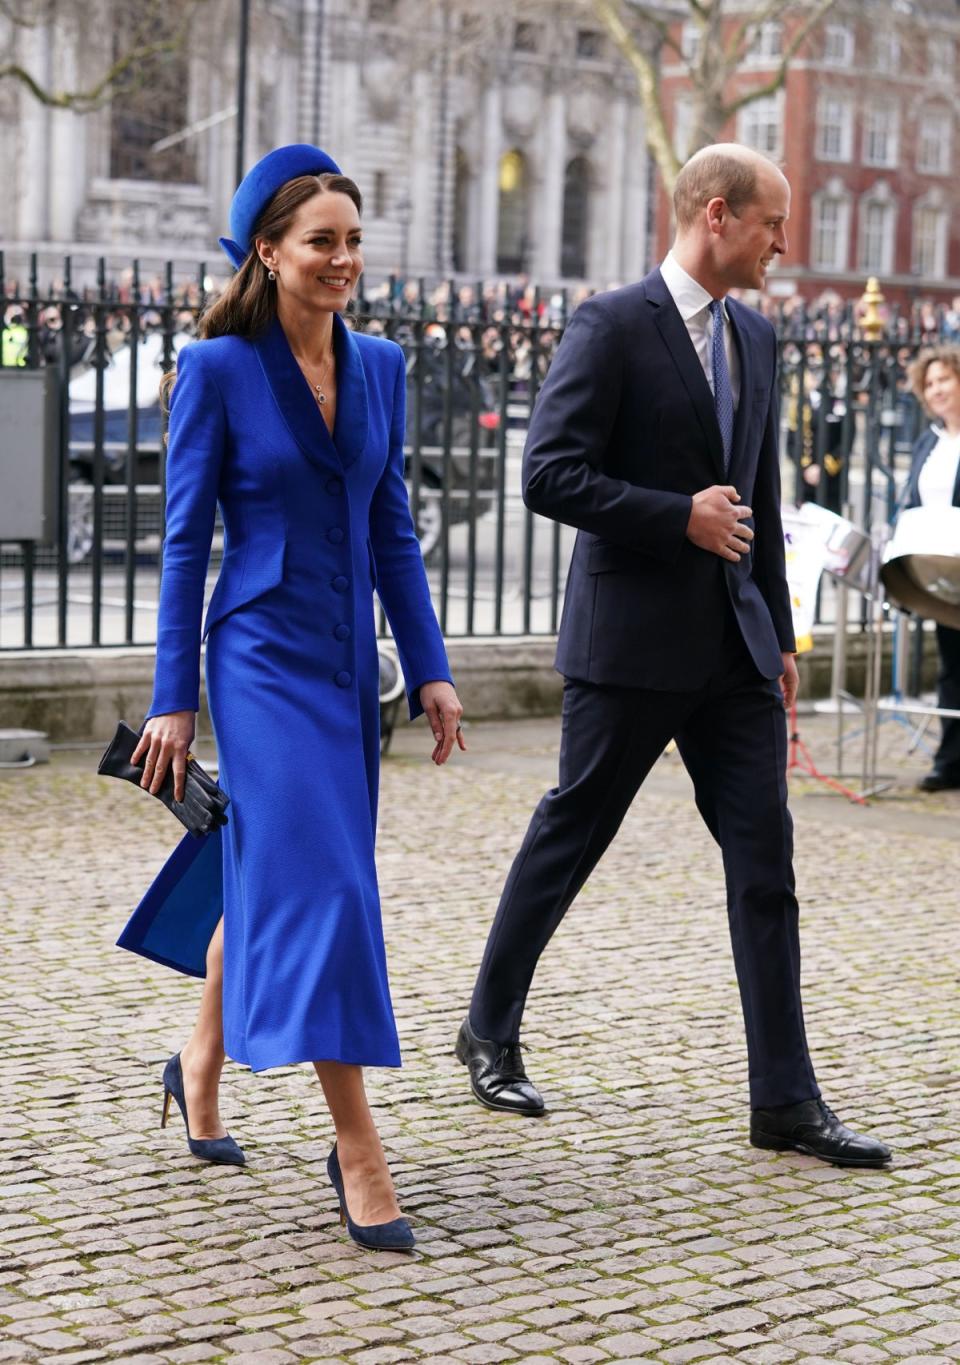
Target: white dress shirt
point(693, 304)
point(938, 476)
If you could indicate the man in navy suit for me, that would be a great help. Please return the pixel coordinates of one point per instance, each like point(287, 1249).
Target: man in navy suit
point(656, 435)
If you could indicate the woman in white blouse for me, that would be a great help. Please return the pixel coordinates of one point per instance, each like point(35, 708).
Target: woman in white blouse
point(935, 482)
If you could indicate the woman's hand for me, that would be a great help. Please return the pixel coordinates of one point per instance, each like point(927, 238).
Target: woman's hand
point(165, 740)
point(443, 711)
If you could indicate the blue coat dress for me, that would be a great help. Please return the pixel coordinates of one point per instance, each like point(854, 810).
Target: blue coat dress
point(312, 526)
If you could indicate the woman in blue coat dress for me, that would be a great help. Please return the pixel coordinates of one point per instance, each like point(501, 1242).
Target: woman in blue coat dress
point(295, 426)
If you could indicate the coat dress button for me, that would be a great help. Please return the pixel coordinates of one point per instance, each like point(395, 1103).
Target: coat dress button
point(343, 678)
point(342, 632)
point(334, 486)
point(335, 535)
point(340, 584)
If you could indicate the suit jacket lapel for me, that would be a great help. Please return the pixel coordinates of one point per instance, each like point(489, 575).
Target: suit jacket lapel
point(298, 406)
point(745, 403)
point(673, 330)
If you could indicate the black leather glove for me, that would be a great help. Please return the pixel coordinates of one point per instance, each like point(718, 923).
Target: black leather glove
point(204, 805)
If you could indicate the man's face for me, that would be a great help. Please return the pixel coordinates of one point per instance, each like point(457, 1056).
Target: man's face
point(749, 243)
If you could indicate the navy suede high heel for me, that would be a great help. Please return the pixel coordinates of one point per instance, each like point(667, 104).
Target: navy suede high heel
point(224, 1151)
point(394, 1236)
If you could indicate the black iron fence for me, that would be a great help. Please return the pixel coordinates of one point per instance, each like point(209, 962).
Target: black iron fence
point(476, 356)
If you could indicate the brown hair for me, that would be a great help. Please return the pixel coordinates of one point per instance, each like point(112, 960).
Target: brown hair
point(713, 175)
point(917, 372)
point(248, 305)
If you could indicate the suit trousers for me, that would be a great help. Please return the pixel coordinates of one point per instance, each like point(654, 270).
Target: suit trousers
point(947, 760)
point(732, 737)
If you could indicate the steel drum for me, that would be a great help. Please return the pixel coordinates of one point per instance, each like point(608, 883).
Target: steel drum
point(921, 564)
point(840, 548)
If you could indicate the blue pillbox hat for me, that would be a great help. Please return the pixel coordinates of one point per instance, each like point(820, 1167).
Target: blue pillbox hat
point(261, 183)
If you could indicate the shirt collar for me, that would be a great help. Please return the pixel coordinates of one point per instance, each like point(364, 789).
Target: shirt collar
point(690, 297)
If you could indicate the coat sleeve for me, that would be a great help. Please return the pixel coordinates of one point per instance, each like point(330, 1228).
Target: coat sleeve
point(769, 556)
point(401, 579)
point(194, 458)
point(563, 462)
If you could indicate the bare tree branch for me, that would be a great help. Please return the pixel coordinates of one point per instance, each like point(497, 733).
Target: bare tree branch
point(647, 72)
point(18, 20)
point(777, 80)
point(100, 92)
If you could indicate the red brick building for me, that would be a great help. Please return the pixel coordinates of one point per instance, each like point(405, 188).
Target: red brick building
point(867, 129)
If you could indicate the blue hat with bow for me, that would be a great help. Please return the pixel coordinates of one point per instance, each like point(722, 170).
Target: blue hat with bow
point(261, 183)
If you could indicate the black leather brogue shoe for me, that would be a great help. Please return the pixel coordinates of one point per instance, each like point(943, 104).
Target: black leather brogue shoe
point(497, 1076)
point(812, 1128)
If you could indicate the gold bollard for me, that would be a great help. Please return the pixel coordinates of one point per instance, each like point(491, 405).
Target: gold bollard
point(871, 321)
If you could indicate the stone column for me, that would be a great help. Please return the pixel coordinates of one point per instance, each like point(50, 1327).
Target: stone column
point(345, 110)
point(419, 182)
point(67, 146)
point(309, 90)
point(32, 225)
point(489, 196)
point(609, 267)
point(549, 201)
point(635, 171)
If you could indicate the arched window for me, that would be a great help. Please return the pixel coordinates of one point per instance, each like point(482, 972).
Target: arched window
point(576, 192)
point(461, 201)
point(935, 141)
point(930, 229)
point(878, 229)
point(830, 235)
point(512, 240)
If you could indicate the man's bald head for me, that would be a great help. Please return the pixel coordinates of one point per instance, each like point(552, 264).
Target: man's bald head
point(724, 170)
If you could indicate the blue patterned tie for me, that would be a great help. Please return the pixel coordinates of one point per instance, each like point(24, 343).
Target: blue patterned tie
point(722, 392)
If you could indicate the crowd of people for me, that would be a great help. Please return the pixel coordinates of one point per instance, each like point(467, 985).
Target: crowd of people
point(517, 303)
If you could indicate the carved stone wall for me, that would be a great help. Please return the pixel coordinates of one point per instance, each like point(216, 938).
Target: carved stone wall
point(130, 212)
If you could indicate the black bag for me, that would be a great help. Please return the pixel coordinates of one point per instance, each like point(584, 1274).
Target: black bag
point(204, 805)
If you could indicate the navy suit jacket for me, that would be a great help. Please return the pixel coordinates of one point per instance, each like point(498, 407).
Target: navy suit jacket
point(623, 434)
point(922, 448)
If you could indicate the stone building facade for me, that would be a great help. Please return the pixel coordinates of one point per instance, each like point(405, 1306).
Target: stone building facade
point(488, 141)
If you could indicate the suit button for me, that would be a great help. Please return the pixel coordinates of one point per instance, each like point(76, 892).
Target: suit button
point(335, 535)
point(334, 486)
point(342, 632)
point(343, 678)
point(340, 584)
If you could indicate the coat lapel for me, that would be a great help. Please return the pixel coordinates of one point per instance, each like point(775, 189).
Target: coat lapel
point(677, 339)
point(350, 427)
point(298, 407)
point(921, 452)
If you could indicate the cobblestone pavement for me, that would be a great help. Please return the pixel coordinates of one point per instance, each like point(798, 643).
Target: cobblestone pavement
point(633, 1223)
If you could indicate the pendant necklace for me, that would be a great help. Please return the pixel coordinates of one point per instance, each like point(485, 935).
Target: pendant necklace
point(318, 392)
